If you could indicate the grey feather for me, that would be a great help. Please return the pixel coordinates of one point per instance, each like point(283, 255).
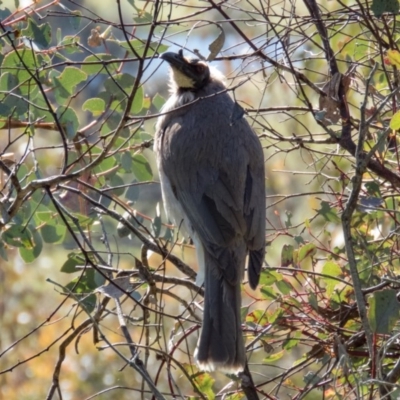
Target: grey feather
point(212, 178)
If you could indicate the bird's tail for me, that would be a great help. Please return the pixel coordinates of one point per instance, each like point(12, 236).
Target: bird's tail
point(221, 345)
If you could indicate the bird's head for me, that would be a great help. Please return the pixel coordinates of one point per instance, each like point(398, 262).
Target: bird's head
point(189, 74)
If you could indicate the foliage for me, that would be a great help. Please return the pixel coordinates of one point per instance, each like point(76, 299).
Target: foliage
point(79, 97)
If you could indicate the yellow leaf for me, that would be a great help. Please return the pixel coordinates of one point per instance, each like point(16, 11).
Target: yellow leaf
point(330, 393)
point(394, 57)
point(395, 121)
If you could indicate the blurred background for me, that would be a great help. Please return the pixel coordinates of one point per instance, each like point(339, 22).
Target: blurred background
point(308, 180)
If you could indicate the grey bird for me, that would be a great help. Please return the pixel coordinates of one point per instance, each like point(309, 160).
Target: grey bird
point(212, 176)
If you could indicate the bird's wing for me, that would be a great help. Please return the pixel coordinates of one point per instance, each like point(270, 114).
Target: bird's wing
point(255, 213)
point(219, 182)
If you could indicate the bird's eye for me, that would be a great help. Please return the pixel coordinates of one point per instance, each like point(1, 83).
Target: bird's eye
point(200, 68)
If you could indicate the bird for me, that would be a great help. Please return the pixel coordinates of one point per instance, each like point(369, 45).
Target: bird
point(212, 175)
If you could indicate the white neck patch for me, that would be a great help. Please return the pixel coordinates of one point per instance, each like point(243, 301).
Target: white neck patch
point(181, 80)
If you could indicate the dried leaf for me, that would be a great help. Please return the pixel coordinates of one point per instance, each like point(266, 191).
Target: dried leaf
point(94, 39)
point(113, 291)
point(330, 102)
point(216, 46)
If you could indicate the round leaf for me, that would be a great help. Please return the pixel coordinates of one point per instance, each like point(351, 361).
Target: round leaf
point(141, 168)
point(96, 106)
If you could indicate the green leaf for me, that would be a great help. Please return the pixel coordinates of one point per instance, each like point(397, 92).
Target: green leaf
point(82, 293)
point(168, 235)
point(156, 226)
point(287, 255)
point(61, 93)
point(293, 302)
point(43, 216)
point(40, 34)
point(8, 83)
point(75, 19)
point(141, 168)
point(258, 317)
point(95, 105)
point(126, 161)
point(133, 192)
point(137, 103)
point(291, 341)
point(69, 120)
point(373, 189)
point(139, 47)
point(40, 111)
point(33, 251)
point(393, 56)
point(69, 79)
point(383, 311)
point(379, 7)
point(58, 35)
point(117, 89)
point(53, 233)
point(11, 99)
point(5, 111)
point(24, 215)
point(70, 44)
point(19, 62)
point(205, 384)
point(74, 259)
point(4, 12)
point(276, 315)
point(311, 378)
point(328, 213)
point(23, 173)
point(95, 64)
point(284, 286)
point(308, 250)
point(83, 286)
point(142, 17)
point(3, 251)
point(288, 222)
point(146, 102)
point(395, 121)
point(113, 121)
point(118, 86)
point(145, 137)
point(115, 182)
point(268, 293)
point(17, 236)
point(105, 201)
point(106, 165)
point(298, 240)
point(158, 101)
point(268, 277)
point(274, 357)
point(331, 269)
point(18, 105)
point(312, 300)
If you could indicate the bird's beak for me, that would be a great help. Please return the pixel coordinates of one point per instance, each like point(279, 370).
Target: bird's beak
point(176, 60)
point(189, 74)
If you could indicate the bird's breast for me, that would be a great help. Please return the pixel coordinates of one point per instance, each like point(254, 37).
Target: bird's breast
point(178, 99)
